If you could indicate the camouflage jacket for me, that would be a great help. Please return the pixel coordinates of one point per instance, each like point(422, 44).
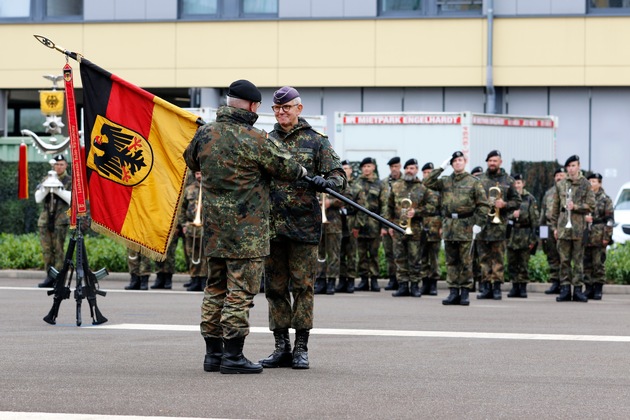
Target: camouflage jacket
point(463, 203)
point(237, 161)
point(546, 206)
point(523, 229)
point(433, 222)
point(348, 212)
point(188, 211)
point(295, 209)
point(54, 208)
point(371, 193)
point(603, 220)
point(583, 204)
point(497, 231)
point(422, 200)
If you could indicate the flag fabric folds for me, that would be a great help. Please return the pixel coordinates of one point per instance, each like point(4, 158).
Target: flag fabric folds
point(134, 143)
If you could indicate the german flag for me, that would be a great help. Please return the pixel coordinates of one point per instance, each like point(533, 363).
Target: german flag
point(134, 143)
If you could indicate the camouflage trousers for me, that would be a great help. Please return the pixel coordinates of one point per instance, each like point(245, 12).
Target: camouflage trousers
point(458, 264)
point(52, 246)
point(390, 255)
point(139, 264)
point(328, 258)
point(430, 268)
point(168, 265)
point(571, 262)
point(368, 257)
point(518, 265)
point(201, 268)
point(229, 295)
point(476, 265)
point(594, 264)
point(491, 259)
point(408, 254)
point(550, 246)
point(290, 264)
point(348, 258)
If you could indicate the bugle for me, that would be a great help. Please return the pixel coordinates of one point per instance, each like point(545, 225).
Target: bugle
point(405, 220)
point(324, 218)
point(197, 226)
point(494, 212)
point(569, 200)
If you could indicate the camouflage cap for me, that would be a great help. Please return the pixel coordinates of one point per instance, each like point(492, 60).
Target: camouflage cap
point(284, 95)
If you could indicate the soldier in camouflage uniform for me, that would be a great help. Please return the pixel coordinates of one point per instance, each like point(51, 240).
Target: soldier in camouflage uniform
point(164, 270)
point(408, 247)
point(329, 247)
point(491, 241)
point(371, 193)
point(197, 265)
point(348, 259)
point(53, 222)
point(388, 241)
point(476, 172)
point(237, 162)
point(140, 268)
point(432, 234)
point(465, 212)
point(550, 245)
point(297, 222)
point(600, 224)
point(572, 201)
point(522, 227)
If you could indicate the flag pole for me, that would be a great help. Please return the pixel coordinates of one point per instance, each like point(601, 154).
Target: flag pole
point(48, 43)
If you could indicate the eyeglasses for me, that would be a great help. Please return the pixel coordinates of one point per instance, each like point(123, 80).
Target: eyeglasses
point(285, 108)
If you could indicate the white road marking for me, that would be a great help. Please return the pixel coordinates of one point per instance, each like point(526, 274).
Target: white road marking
point(67, 416)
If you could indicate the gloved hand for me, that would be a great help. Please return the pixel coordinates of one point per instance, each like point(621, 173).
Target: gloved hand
point(476, 229)
point(320, 184)
point(445, 163)
point(304, 173)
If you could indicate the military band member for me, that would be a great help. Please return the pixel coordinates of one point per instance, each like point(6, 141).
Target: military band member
point(329, 247)
point(503, 200)
point(348, 259)
point(573, 200)
point(465, 212)
point(407, 202)
point(600, 226)
point(550, 245)
point(432, 240)
point(388, 243)
point(522, 227)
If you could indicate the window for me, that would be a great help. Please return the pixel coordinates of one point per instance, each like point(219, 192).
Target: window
point(609, 6)
point(199, 7)
point(401, 7)
point(227, 9)
point(409, 8)
point(41, 10)
point(64, 9)
point(260, 7)
point(15, 8)
point(459, 6)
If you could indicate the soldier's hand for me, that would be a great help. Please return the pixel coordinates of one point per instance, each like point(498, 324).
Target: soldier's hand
point(445, 163)
point(476, 229)
point(320, 184)
point(384, 232)
point(555, 234)
point(411, 212)
point(588, 218)
point(303, 173)
point(391, 232)
point(500, 203)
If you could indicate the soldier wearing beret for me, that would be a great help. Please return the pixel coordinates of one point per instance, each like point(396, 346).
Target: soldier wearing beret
point(237, 162)
point(53, 221)
point(464, 209)
point(599, 224)
point(297, 223)
point(573, 200)
point(492, 240)
point(388, 243)
point(431, 240)
point(550, 245)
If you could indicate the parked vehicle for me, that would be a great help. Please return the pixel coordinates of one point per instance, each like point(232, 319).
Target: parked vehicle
point(621, 231)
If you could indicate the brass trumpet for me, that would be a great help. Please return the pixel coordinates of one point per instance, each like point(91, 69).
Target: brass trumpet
point(569, 200)
point(324, 218)
point(405, 220)
point(494, 213)
point(197, 224)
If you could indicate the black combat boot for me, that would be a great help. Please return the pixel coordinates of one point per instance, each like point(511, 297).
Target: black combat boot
point(281, 356)
point(598, 289)
point(515, 291)
point(134, 283)
point(464, 300)
point(415, 291)
point(330, 287)
point(363, 285)
point(485, 291)
point(144, 282)
point(300, 350)
point(188, 283)
point(426, 286)
point(433, 287)
point(350, 285)
point(233, 360)
point(496, 291)
point(565, 293)
point(48, 282)
point(168, 280)
point(342, 285)
point(589, 291)
point(159, 281)
point(523, 289)
point(320, 286)
point(374, 285)
point(403, 289)
point(453, 297)
point(392, 284)
point(197, 284)
point(578, 296)
point(214, 353)
point(554, 289)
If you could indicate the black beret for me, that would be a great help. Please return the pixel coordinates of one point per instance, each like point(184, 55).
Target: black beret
point(476, 170)
point(493, 154)
point(456, 155)
point(244, 89)
point(411, 161)
point(574, 158)
point(59, 158)
point(595, 175)
point(428, 165)
point(517, 177)
point(344, 162)
point(559, 170)
point(367, 160)
point(393, 161)
point(285, 94)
